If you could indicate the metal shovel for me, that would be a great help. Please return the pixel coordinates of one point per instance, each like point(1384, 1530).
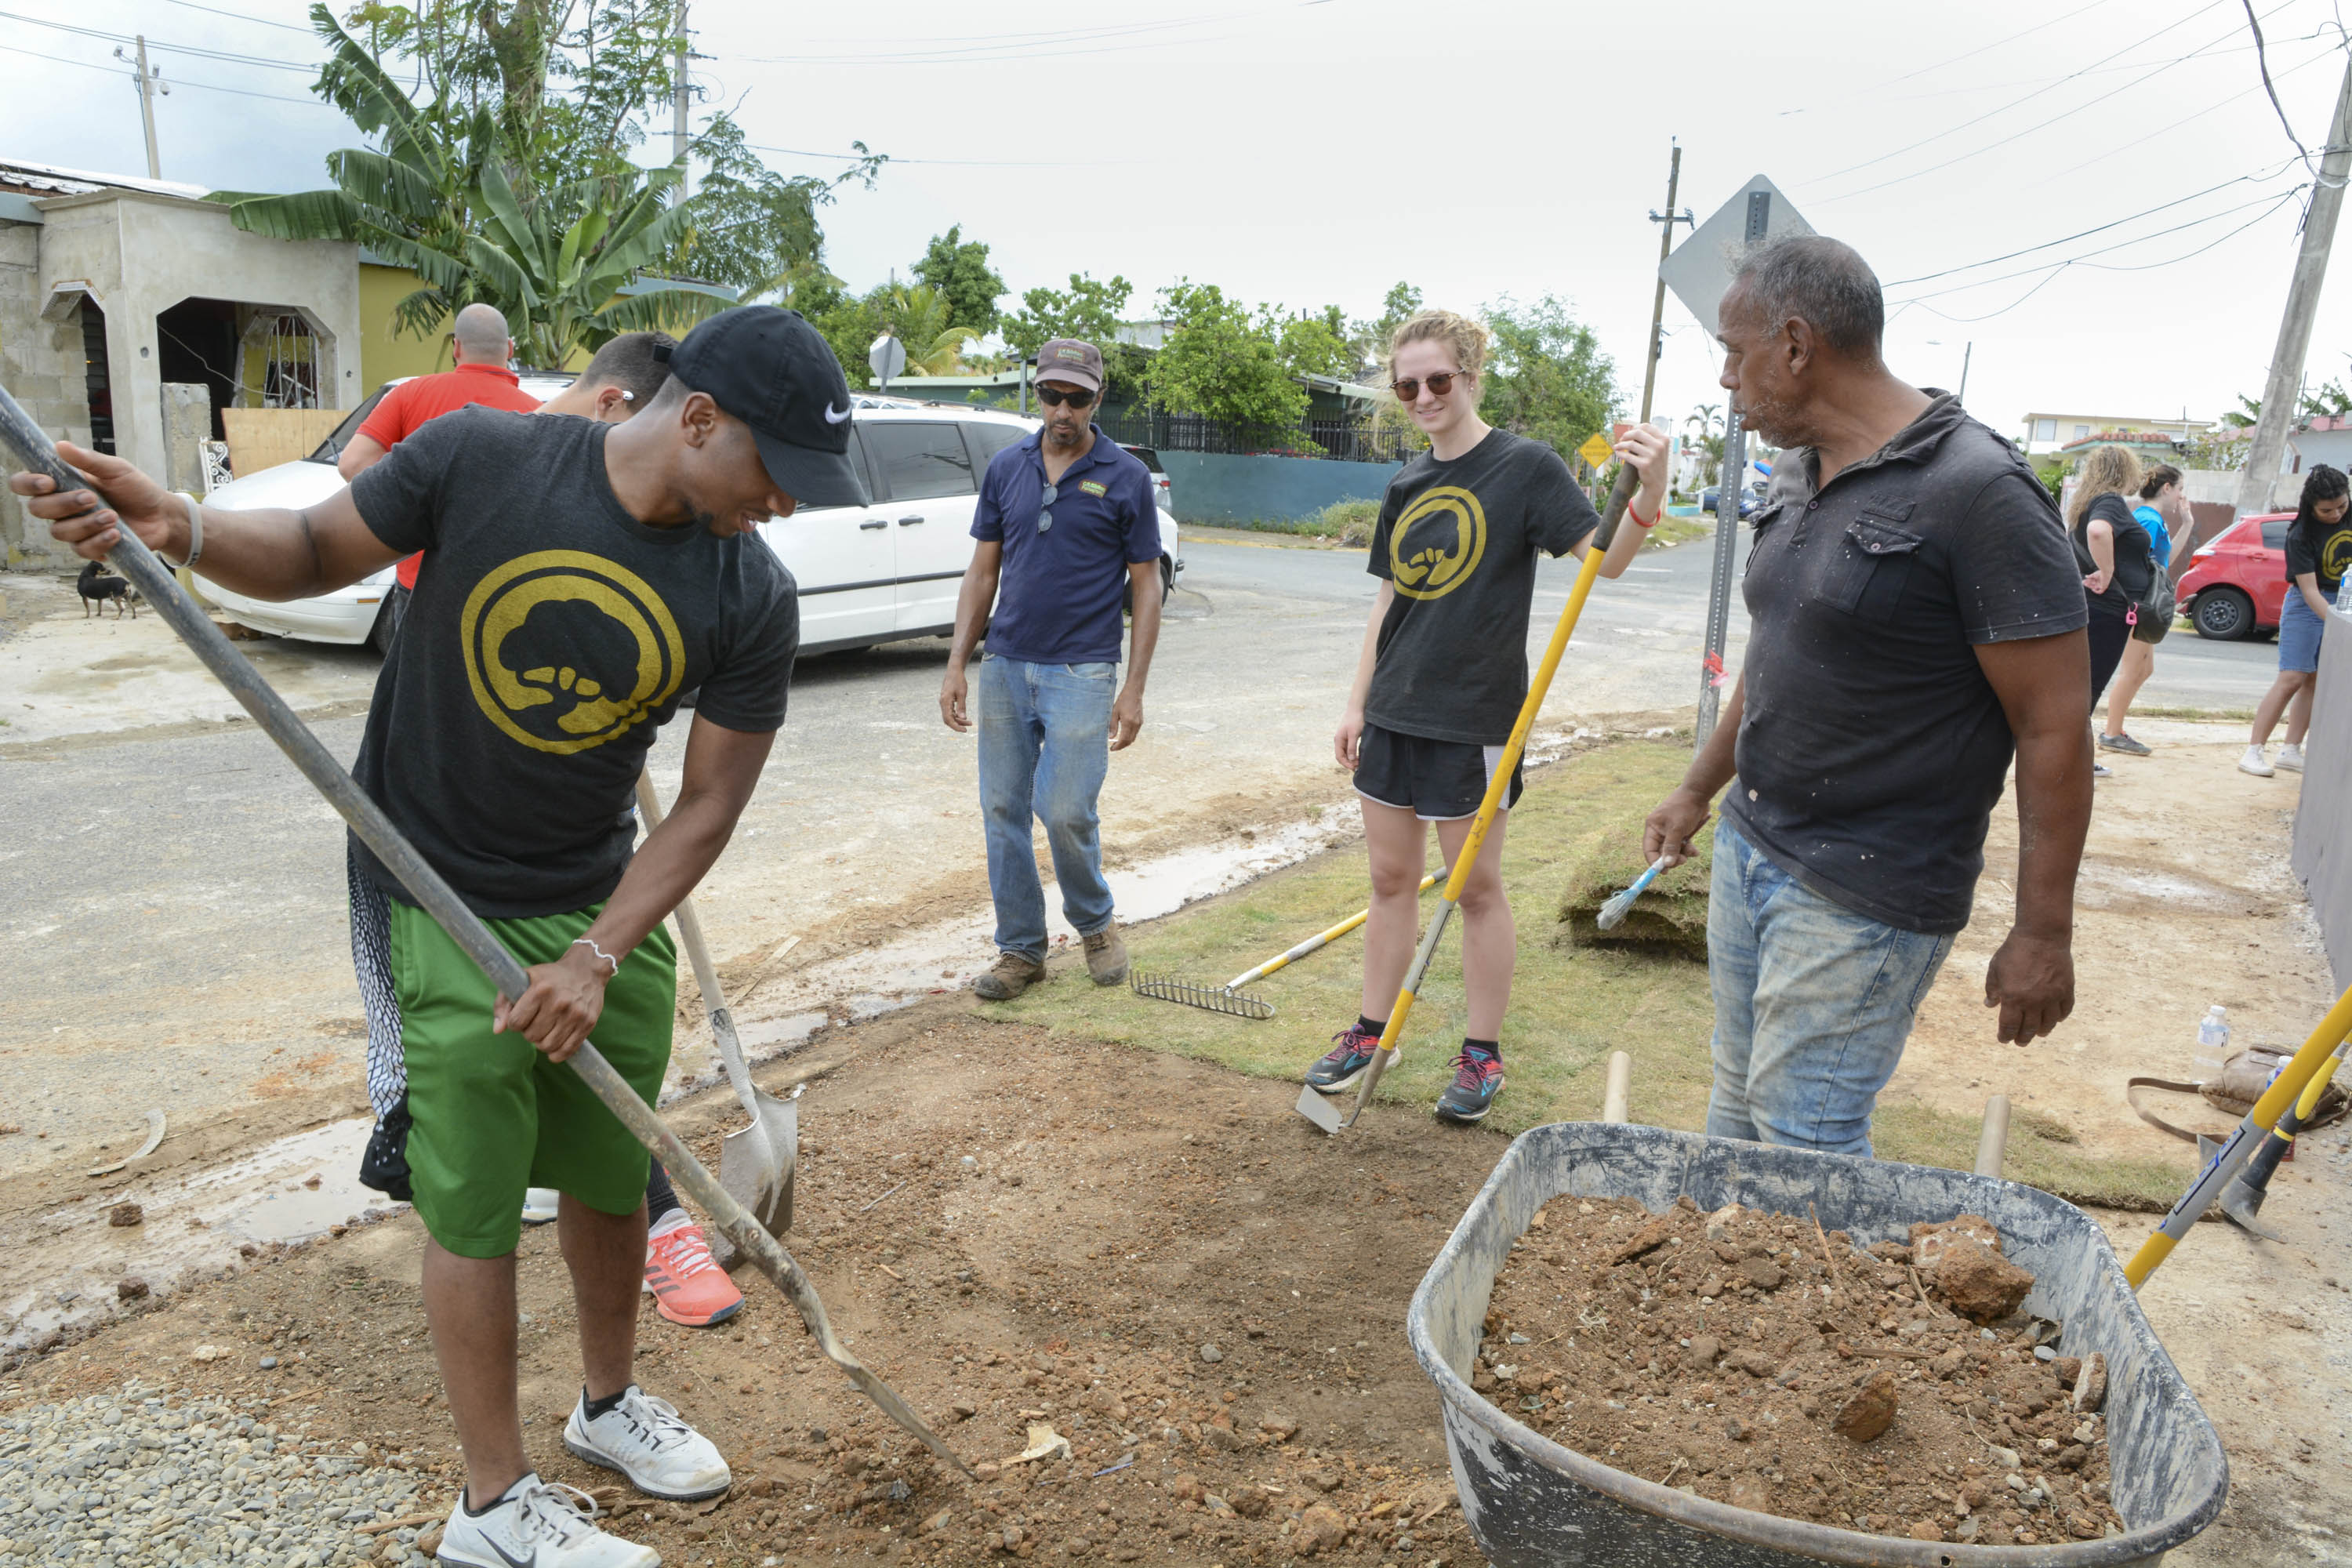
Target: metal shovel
point(147, 573)
point(755, 1161)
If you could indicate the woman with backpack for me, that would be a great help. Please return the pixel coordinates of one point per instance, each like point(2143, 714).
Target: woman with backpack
point(2162, 509)
point(2117, 557)
point(2318, 552)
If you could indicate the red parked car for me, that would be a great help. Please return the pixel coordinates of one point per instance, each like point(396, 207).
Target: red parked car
point(2235, 584)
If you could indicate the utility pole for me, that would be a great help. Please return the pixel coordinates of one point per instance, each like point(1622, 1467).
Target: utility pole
point(1961, 396)
point(2281, 394)
point(1665, 222)
point(678, 91)
point(151, 85)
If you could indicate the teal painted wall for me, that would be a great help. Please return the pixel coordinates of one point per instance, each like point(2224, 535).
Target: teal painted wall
point(1204, 488)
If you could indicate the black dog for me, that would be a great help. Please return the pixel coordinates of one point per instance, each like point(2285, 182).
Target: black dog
point(97, 586)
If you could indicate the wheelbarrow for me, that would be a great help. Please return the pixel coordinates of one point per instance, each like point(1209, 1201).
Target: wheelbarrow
point(1531, 1501)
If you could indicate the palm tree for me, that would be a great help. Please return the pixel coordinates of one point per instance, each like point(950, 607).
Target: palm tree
point(917, 316)
point(1707, 416)
point(439, 197)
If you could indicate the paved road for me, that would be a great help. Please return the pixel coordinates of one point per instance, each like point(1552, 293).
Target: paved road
point(171, 926)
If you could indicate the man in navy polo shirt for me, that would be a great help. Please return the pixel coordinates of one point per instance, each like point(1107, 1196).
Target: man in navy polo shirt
point(1066, 523)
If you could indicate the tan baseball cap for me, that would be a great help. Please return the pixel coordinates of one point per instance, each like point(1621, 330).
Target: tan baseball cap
point(1072, 359)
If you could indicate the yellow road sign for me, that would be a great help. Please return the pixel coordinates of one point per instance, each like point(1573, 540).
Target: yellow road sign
point(1596, 448)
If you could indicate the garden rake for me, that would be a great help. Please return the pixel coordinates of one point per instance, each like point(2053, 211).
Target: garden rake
point(1228, 997)
point(1311, 1103)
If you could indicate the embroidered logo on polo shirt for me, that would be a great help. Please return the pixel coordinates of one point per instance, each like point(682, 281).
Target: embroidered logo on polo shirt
point(1092, 489)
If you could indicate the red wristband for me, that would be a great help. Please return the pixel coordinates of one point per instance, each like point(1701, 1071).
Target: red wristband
point(1637, 516)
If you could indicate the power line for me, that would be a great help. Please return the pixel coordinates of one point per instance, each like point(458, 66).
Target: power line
point(2262, 60)
point(1005, 47)
point(944, 163)
point(2138, 141)
point(176, 80)
point(173, 48)
point(243, 16)
point(2273, 199)
point(2043, 125)
point(1986, 49)
point(2086, 233)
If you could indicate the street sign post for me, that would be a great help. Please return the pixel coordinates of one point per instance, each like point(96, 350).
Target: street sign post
point(889, 357)
point(1596, 448)
point(1700, 273)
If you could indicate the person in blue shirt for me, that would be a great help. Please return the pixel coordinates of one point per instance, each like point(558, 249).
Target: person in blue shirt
point(2163, 510)
point(1067, 530)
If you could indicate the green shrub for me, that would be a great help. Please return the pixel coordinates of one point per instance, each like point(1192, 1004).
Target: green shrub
point(1351, 523)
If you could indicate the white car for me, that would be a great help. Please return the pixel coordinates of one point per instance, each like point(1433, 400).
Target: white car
point(867, 574)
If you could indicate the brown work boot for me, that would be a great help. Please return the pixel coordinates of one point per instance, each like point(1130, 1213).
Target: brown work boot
point(1011, 976)
point(1106, 956)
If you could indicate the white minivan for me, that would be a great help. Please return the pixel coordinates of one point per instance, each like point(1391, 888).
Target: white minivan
point(867, 574)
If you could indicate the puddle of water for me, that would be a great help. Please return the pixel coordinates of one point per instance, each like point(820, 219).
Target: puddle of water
point(63, 1265)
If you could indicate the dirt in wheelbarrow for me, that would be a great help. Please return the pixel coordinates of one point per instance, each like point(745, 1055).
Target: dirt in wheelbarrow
point(1151, 1256)
point(1757, 1361)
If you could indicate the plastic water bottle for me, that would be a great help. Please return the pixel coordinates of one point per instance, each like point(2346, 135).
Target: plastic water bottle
point(2212, 1046)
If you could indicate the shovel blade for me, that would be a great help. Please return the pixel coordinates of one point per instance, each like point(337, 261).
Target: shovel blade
point(1320, 1111)
point(756, 1162)
point(2241, 1205)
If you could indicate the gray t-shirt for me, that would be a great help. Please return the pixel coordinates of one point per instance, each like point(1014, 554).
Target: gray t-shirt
point(1459, 540)
point(1872, 747)
point(550, 635)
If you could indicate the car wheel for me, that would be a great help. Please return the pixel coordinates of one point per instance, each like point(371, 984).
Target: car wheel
point(2223, 615)
point(379, 637)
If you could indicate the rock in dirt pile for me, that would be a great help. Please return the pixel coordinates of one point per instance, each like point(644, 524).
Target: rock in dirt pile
point(1758, 1361)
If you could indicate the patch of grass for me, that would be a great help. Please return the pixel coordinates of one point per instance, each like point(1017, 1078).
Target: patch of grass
point(1672, 529)
point(2209, 715)
point(1570, 1007)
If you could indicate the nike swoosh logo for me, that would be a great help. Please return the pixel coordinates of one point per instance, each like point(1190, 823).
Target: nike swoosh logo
point(832, 418)
point(513, 1560)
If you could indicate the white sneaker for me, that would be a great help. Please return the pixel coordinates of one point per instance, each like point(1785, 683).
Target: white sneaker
point(536, 1525)
point(645, 1440)
point(2290, 758)
point(539, 1204)
point(2254, 763)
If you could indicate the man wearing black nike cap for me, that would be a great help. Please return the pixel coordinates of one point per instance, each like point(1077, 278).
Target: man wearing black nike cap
point(584, 576)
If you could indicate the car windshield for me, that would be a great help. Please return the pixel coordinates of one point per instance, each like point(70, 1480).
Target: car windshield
point(1149, 459)
point(333, 446)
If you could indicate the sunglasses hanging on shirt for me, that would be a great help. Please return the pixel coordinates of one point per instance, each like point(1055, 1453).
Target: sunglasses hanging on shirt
point(1054, 397)
point(1044, 505)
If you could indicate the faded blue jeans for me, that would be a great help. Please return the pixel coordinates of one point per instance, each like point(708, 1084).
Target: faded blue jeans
point(1044, 746)
point(1813, 1005)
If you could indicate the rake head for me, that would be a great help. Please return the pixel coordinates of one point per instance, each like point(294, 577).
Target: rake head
point(1208, 998)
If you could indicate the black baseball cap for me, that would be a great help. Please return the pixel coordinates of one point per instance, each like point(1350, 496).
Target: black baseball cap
point(771, 369)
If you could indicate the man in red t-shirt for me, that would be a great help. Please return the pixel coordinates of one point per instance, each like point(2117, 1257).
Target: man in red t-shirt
point(481, 349)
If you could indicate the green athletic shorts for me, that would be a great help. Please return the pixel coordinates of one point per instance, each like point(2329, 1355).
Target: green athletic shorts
point(491, 1115)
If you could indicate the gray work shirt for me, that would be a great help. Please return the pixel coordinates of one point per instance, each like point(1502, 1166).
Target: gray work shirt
point(1872, 749)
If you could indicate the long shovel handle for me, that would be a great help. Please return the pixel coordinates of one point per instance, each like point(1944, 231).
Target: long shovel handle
point(1321, 938)
point(706, 980)
point(1620, 496)
point(2284, 1089)
point(131, 557)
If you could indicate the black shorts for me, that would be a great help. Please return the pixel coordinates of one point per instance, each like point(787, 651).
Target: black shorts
point(1437, 780)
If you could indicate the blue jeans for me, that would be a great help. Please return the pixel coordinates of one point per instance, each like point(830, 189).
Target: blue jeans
point(1813, 1005)
point(1044, 745)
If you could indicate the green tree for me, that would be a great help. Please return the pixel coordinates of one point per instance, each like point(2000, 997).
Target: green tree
point(958, 268)
point(1089, 310)
point(1314, 345)
point(923, 319)
point(1221, 363)
point(1546, 376)
point(753, 228)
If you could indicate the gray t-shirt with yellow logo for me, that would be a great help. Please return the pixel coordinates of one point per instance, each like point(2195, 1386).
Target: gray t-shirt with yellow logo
point(1459, 540)
point(552, 634)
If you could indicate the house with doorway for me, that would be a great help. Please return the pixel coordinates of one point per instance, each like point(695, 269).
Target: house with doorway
point(113, 290)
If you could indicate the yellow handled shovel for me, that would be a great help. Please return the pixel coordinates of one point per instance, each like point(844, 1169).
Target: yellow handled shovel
point(1312, 1105)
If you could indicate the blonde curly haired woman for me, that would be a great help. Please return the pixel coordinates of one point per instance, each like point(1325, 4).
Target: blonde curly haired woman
point(1443, 671)
point(2117, 558)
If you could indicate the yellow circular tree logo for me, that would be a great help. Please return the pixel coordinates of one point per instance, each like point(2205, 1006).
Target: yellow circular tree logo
point(565, 650)
point(1440, 557)
point(2336, 557)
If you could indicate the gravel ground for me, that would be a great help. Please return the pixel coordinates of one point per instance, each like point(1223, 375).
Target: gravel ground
point(137, 1478)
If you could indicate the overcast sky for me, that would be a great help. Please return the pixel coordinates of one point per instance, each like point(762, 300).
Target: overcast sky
point(1307, 154)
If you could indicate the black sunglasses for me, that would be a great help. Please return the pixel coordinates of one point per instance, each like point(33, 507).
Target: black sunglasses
point(1077, 397)
point(1409, 389)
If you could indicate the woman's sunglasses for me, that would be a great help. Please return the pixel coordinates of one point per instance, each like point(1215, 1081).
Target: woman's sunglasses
point(1054, 398)
point(1409, 389)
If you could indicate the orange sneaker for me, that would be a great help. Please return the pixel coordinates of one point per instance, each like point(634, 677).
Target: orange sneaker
point(687, 1286)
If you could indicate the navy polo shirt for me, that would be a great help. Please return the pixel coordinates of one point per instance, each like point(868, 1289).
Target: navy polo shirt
point(1059, 598)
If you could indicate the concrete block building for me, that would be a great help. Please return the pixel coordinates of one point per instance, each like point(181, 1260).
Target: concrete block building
point(111, 287)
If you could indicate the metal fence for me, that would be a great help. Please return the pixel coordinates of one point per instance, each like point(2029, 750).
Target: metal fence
point(1340, 440)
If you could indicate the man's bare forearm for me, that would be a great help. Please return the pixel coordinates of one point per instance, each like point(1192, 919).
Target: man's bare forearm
point(974, 600)
point(1144, 636)
point(274, 553)
point(2053, 817)
point(1712, 768)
